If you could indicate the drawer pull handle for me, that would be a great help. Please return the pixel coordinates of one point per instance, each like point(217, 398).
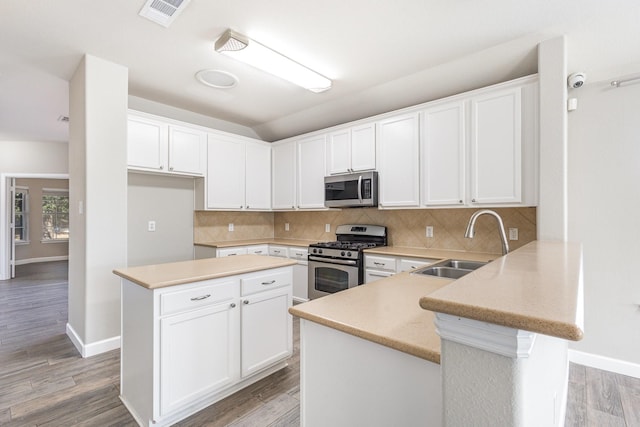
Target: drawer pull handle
point(258, 252)
point(232, 254)
point(379, 263)
point(201, 297)
point(271, 282)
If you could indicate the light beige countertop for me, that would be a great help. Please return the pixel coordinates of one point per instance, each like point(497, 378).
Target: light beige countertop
point(270, 241)
point(537, 288)
point(437, 254)
point(177, 273)
point(385, 312)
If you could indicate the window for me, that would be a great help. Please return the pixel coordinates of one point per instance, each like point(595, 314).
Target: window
point(55, 215)
point(21, 215)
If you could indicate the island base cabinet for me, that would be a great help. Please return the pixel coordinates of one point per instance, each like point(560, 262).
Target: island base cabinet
point(266, 329)
point(198, 354)
point(187, 346)
point(348, 381)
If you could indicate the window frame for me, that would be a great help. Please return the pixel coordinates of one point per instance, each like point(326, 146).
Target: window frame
point(25, 215)
point(52, 192)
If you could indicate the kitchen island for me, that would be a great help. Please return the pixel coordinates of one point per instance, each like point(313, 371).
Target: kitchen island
point(506, 364)
point(194, 332)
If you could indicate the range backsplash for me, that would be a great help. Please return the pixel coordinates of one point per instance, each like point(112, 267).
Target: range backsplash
point(405, 227)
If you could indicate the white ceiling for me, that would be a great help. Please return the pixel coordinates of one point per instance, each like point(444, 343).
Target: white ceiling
point(381, 55)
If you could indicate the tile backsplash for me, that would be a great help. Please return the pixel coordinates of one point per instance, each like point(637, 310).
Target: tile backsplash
point(405, 227)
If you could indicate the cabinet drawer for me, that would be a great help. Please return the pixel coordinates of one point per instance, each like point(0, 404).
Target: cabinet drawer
point(232, 251)
point(258, 250)
point(373, 275)
point(380, 263)
point(299, 254)
point(408, 264)
point(280, 251)
point(265, 281)
point(210, 292)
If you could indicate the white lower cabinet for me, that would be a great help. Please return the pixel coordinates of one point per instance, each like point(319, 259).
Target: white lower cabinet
point(379, 267)
point(187, 346)
point(266, 329)
point(194, 339)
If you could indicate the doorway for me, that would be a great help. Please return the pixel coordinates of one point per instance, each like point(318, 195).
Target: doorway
point(33, 220)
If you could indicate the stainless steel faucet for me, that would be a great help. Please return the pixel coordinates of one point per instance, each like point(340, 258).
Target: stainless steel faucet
point(472, 223)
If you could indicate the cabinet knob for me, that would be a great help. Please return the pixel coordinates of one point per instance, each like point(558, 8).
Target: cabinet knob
point(161, 167)
point(473, 200)
point(170, 168)
point(240, 206)
point(247, 206)
point(233, 305)
point(245, 301)
point(460, 201)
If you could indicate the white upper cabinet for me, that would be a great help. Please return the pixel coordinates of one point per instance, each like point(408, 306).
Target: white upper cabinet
point(187, 150)
point(352, 149)
point(283, 170)
point(443, 154)
point(238, 174)
point(495, 147)
point(311, 167)
point(398, 161)
point(258, 176)
point(225, 172)
point(158, 146)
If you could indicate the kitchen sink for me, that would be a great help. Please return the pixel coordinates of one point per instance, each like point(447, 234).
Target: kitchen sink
point(450, 268)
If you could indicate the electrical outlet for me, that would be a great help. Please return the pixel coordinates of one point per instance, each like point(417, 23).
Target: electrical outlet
point(327, 228)
point(151, 226)
point(230, 226)
point(429, 231)
point(286, 226)
point(513, 234)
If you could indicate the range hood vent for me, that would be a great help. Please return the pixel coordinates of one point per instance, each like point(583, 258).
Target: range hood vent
point(163, 12)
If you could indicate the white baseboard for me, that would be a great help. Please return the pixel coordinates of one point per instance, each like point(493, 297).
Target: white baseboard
point(42, 259)
point(92, 349)
point(605, 363)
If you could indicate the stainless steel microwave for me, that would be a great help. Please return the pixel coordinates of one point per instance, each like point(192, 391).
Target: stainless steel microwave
point(352, 190)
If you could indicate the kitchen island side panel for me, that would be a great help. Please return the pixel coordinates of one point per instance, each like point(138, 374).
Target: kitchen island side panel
point(348, 381)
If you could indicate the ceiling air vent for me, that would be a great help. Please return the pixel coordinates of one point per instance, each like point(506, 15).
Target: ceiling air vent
point(163, 12)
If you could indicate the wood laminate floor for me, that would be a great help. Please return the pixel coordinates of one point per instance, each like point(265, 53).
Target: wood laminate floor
point(45, 382)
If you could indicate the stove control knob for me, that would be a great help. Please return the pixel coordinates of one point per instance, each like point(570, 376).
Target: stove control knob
point(314, 250)
point(349, 254)
point(342, 253)
point(319, 251)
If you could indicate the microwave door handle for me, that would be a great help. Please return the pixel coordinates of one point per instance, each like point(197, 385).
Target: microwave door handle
point(360, 188)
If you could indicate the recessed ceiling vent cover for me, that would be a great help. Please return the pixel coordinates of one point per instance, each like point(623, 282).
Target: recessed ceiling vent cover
point(163, 12)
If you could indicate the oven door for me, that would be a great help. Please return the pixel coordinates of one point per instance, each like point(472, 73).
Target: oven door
point(331, 276)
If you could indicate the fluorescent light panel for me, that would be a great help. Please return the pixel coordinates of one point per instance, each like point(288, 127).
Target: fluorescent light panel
point(251, 52)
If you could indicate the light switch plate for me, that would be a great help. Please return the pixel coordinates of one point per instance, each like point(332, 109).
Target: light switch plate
point(327, 228)
point(151, 226)
point(513, 234)
point(286, 226)
point(429, 231)
point(230, 226)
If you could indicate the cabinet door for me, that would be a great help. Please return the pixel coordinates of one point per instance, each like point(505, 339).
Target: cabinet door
point(339, 152)
point(146, 144)
point(373, 275)
point(301, 282)
point(363, 147)
point(284, 176)
point(443, 155)
point(266, 329)
point(187, 150)
point(496, 139)
point(225, 173)
point(241, 250)
point(258, 176)
point(199, 353)
point(398, 161)
point(311, 169)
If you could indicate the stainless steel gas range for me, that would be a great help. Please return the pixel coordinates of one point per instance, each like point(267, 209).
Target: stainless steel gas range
point(339, 265)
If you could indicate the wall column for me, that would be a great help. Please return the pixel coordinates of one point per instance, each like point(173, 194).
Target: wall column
point(98, 202)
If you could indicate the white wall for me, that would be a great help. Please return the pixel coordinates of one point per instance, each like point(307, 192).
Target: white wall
point(604, 207)
point(98, 194)
point(169, 202)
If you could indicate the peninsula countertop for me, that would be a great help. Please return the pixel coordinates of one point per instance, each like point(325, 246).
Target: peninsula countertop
point(177, 273)
point(536, 288)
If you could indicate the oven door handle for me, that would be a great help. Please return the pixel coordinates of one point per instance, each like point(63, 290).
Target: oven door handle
point(360, 188)
point(333, 260)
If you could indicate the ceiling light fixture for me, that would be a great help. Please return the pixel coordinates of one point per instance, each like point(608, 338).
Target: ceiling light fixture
point(251, 52)
point(217, 78)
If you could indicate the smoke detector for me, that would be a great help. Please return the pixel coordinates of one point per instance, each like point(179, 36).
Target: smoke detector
point(163, 12)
